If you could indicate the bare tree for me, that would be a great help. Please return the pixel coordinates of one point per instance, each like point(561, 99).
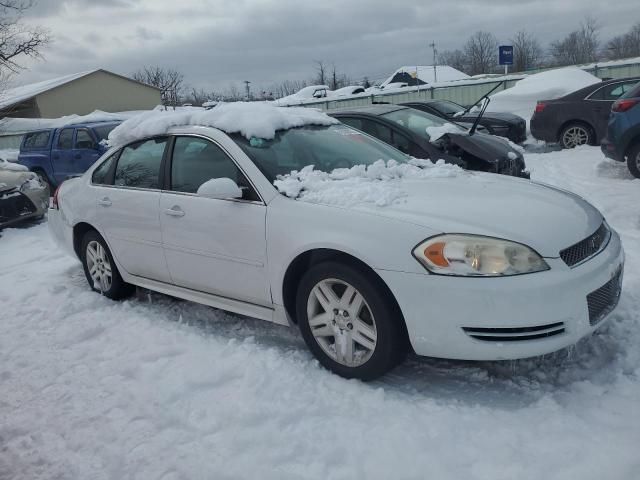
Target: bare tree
point(168, 80)
point(527, 51)
point(321, 69)
point(199, 96)
point(579, 46)
point(17, 39)
point(481, 50)
point(624, 46)
point(454, 58)
point(365, 82)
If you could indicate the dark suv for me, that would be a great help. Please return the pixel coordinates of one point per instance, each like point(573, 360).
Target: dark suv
point(579, 118)
point(623, 131)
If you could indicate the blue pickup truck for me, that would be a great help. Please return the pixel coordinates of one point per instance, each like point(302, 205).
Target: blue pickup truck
point(55, 154)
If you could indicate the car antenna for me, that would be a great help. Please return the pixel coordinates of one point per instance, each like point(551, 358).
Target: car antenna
point(487, 100)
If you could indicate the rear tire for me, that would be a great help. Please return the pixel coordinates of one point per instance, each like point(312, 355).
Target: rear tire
point(348, 322)
point(633, 160)
point(575, 135)
point(100, 269)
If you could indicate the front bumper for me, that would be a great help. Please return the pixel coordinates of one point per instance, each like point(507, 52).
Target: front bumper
point(442, 313)
point(17, 206)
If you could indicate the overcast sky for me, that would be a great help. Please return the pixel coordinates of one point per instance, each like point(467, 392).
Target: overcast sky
point(218, 42)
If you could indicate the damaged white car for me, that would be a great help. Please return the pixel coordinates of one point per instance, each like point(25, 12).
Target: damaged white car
point(285, 215)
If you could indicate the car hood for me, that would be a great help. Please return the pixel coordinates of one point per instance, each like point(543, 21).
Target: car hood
point(11, 179)
point(542, 217)
point(486, 147)
point(501, 116)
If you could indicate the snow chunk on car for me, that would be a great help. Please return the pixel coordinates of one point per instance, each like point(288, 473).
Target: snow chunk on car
point(435, 133)
point(251, 119)
point(379, 183)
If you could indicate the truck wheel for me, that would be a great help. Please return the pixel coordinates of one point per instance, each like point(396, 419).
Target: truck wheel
point(633, 160)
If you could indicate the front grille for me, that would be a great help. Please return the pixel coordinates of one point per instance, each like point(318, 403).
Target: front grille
point(515, 334)
point(14, 205)
point(602, 301)
point(586, 248)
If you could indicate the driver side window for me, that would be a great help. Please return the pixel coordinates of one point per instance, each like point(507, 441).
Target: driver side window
point(197, 160)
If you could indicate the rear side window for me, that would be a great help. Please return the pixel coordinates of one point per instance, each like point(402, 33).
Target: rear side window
point(139, 164)
point(612, 92)
point(634, 92)
point(37, 140)
point(101, 174)
point(84, 139)
point(65, 139)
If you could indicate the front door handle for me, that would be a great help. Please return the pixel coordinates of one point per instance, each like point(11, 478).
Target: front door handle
point(174, 211)
point(105, 202)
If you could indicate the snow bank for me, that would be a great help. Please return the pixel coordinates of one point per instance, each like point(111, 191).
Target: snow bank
point(22, 125)
point(251, 119)
point(16, 167)
point(521, 99)
point(9, 154)
point(378, 183)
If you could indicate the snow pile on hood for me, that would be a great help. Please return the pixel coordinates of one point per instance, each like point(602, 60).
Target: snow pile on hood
point(251, 119)
point(15, 167)
point(9, 154)
point(435, 133)
point(521, 99)
point(378, 183)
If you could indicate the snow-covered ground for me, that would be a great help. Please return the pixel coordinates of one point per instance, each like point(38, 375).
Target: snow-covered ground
point(156, 388)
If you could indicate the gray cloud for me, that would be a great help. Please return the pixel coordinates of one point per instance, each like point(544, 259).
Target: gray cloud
point(216, 43)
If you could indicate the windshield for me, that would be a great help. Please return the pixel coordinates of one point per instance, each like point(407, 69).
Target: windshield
point(448, 108)
point(418, 121)
point(104, 130)
point(326, 148)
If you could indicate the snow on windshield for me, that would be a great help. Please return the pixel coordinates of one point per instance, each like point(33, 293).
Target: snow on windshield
point(435, 133)
point(251, 119)
point(378, 183)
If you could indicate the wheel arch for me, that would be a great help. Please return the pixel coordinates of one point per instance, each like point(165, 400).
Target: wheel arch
point(300, 264)
point(79, 231)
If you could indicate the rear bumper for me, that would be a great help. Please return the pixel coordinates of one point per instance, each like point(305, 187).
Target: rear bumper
point(610, 150)
point(446, 315)
point(541, 131)
point(61, 231)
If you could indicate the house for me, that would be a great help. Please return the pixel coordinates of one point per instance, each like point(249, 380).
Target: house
point(79, 93)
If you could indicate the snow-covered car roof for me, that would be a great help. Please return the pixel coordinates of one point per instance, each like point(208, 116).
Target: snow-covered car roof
point(251, 119)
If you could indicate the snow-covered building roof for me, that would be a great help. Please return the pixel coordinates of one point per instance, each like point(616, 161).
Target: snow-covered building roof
point(425, 74)
point(78, 93)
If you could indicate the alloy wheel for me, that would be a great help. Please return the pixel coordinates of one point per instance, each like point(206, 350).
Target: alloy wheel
point(575, 136)
point(341, 322)
point(99, 266)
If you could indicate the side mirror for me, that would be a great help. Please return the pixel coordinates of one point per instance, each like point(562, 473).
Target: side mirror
point(220, 188)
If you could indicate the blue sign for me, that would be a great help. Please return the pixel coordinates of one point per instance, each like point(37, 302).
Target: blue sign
point(506, 54)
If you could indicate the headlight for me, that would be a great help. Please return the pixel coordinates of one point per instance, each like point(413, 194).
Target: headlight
point(471, 255)
point(33, 183)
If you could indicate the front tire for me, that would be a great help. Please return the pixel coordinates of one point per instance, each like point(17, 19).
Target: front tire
point(348, 322)
point(575, 135)
point(633, 160)
point(100, 269)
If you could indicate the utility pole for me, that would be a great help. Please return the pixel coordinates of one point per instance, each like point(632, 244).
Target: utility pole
point(435, 69)
point(246, 83)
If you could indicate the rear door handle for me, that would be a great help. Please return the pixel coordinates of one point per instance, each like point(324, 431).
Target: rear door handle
point(174, 211)
point(105, 202)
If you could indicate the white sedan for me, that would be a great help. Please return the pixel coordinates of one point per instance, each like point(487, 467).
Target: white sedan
point(285, 215)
